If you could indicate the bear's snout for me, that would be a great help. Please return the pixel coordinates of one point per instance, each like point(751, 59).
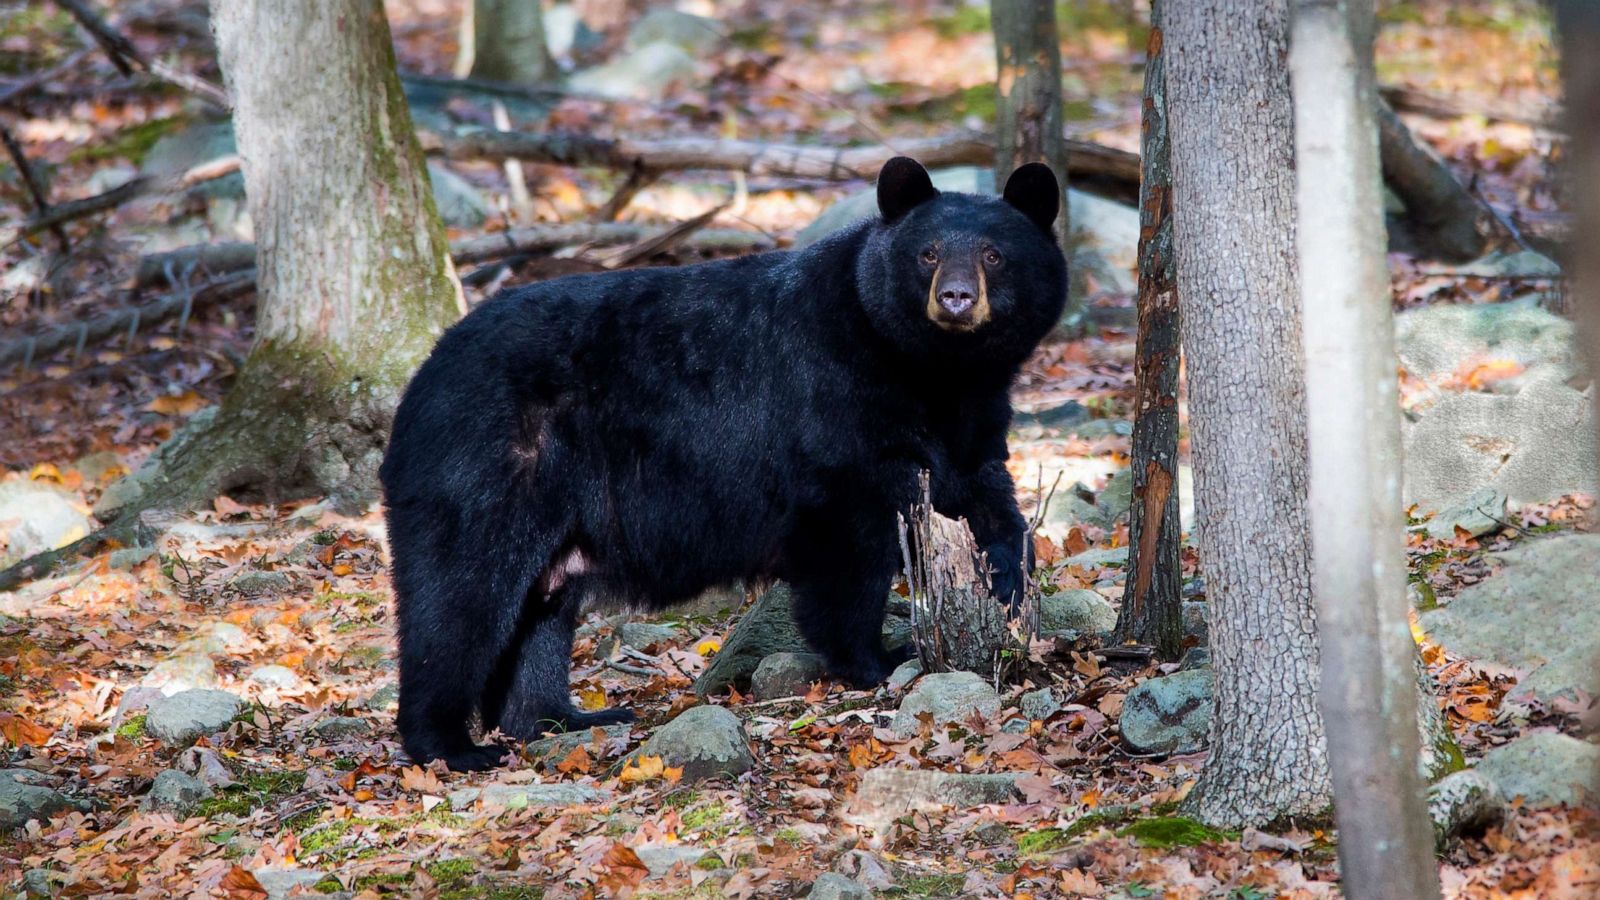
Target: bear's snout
point(958, 300)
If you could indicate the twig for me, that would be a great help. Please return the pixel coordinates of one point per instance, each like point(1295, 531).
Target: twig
point(17, 90)
point(660, 243)
point(632, 670)
point(638, 179)
point(41, 200)
point(126, 57)
point(139, 187)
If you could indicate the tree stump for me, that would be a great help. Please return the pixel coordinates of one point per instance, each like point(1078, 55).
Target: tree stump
point(956, 622)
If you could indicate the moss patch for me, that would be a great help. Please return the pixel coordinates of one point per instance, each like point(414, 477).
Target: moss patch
point(133, 729)
point(1174, 831)
point(253, 791)
point(132, 143)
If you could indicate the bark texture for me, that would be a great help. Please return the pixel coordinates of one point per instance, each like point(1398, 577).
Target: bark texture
point(508, 42)
point(1232, 132)
point(1369, 675)
point(352, 267)
point(1152, 608)
point(1027, 50)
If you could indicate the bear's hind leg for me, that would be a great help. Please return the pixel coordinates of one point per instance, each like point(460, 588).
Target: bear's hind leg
point(530, 693)
point(841, 584)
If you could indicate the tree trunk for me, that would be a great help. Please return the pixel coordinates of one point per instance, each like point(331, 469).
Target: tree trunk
point(1369, 676)
point(1027, 50)
point(1152, 608)
point(1232, 131)
point(351, 262)
point(508, 42)
point(1579, 29)
point(1446, 220)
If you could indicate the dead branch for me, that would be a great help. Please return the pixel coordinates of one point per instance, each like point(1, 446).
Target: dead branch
point(1443, 106)
point(21, 88)
point(41, 200)
point(544, 238)
point(143, 186)
point(126, 57)
point(1450, 221)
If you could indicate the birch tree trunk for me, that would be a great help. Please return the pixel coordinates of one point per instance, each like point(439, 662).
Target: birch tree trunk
point(1027, 49)
point(1152, 608)
point(1369, 678)
point(352, 268)
point(508, 42)
point(1232, 132)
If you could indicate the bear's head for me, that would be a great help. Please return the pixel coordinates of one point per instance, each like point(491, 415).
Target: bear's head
point(961, 276)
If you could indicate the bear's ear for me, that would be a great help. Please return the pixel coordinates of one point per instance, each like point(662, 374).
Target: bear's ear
point(902, 186)
point(1033, 190)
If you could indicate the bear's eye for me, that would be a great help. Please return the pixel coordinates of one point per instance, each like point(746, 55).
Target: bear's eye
point(930, 256)
point(992, 257)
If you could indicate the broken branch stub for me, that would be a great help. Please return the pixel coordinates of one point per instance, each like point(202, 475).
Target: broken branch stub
point(956, 622)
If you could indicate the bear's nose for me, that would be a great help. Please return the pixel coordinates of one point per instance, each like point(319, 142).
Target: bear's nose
point(956, 299)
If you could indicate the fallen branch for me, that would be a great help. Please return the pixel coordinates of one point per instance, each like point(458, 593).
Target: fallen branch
point(126, 57)
point(1450, 221)
point(1443, 106)
point(21, 88)
point(143, 186)
point(36, 190)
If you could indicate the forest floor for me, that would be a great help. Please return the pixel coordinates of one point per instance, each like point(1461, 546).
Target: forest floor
point(286, 607)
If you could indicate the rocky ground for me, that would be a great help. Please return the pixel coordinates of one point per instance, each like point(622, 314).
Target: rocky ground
point(210, 712)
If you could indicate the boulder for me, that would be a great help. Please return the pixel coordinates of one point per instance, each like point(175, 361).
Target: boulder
point(1533, 446)
point(1463, 802)
point(903, 675)
point(547, 752)
point(833, 886)
point(179, 719)
point(640, 635)
point(1477, 515)
point(885, 794)
point(786, 674)
point(1080, 610)
point(949, 697)
point(21, 802)
point(1536, 614)
point(648, 72)
point(1436, 343)
point(1546, 769)
point(176, 792)
point(1169, 714)
point(35, 517)
point(705, 741)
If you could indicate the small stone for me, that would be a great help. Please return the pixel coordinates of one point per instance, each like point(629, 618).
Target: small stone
point(184, 672)
point(281, 882)
point(660, 860)
point(177, 792)
point(1170, 714)
point(129, 558)
point(180, 719)
point(1094, 559)
point(1478, 515)
point(642, 635)
point(785, 674)
point(274, 676)
point(21, 802)
point(1080, 610)
point(833, 886)
point(460, 204)
point(547, 752)
point(385, 699)
point(950, 697)
point(864, 868)
point(204, 764)
point(692, 33)
point(255, 581)
point(504, 797)
point(1545, 769)
point(1040, 705)
point(1197, 621)
point(1062, 415)
point(904, 674)
point(706, 741)
point(337, 728)
point(43, 882)
point(220, 637)
point(885, 794)
point(1461, 803)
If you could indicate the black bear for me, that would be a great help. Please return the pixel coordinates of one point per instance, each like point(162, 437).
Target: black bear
point(642, 435)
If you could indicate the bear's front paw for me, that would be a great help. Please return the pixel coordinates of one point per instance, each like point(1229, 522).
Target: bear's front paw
point(1005, 580)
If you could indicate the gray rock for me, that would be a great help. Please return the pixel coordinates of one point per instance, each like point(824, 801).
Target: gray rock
point(904, 674)
point(864, 868)
point(1040, 705)
point(706, 741)
point(768, 627)
point(1499, 263)
point(503, 797)
point(337, 728)
point(43, 882)
point(1169, 714)
point(187, 671)
point(21, 802)
point(1483, 512)
point(255, 581)
point(660, 860)
point(640, 635)
point(1114, 500)
point(1545, 769)
point(1437, 342)
point(1533, 446)
point(1093, 559)
point(460, 204)
point(128, 558)
point(35, 517)
point(190, 146)
point(547, 752)
point(1080, 610)
point(177, 792)
point(693, 34)
point(949, 697)
point(885, 794)
point(785, 674)
point(1194, 658)
point(1462, 802)
point(179, 719)
point(1197, 621)
point(281, 882)
point(1062, 415)
point(384, 699)
point(1536, 614)
point(274, 676)
point(93, 466)
point(204, 763)
point(833, 886)
point(645, 73)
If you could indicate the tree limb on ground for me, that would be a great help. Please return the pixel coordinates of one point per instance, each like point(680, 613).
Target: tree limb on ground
point(1443, 106)
point(126, 57)
point(143, 186)
point(1451, 222)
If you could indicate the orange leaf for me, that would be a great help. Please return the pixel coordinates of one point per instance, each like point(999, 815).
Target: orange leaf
point(1045, 551)
point(576, 762)
point(183, 404)
point(642, 768)
point(421, 780)
point(624, 869)
point(239, 884)
point(22, 732)
point(226, 506)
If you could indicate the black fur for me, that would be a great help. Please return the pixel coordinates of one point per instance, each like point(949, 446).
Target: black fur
point(643, 435)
